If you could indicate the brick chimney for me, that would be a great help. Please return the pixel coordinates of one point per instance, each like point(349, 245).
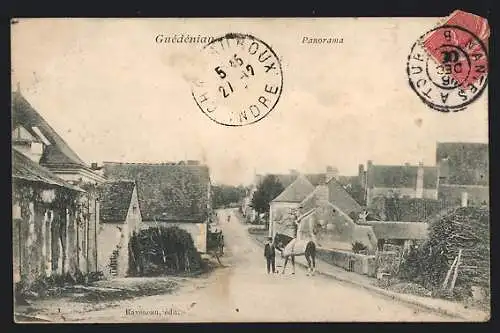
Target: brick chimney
point(368, 179)
point(368, 182)
point(419, 190)
point(331, 172)
point(361, 175)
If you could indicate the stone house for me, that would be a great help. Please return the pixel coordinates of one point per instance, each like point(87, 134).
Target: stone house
point(463, 173)
point(170, 194)
point(73, 219)
point(33, 134)
point(398, 233)
point(44, 207)
point(410, 181)
point(325, 218)
point(289, 200)
point(120, 217)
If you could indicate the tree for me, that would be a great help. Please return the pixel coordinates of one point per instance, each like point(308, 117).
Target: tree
point(267, 190)
point(223, 195)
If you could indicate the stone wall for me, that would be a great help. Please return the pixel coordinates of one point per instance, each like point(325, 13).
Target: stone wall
point(357, 263)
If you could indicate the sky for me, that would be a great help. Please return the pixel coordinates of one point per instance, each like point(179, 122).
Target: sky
point(114, 94)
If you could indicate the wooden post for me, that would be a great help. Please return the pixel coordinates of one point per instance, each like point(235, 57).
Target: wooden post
point(96, 225)
point(48, 235)
point(456, 270)
point(43, 242)
point(87, 233)
point(445, 283)
point(77, 231)
point(30, 243)
point(65, 254)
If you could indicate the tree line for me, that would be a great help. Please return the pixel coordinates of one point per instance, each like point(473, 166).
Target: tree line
point(224, 195)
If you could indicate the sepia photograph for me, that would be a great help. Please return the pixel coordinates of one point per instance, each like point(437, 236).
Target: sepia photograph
point(196, 170)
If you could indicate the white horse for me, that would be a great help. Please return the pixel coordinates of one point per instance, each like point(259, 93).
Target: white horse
point(294, 248)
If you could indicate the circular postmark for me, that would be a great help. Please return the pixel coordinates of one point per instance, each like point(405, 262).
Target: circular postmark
point(448, 68)
point(240, 82)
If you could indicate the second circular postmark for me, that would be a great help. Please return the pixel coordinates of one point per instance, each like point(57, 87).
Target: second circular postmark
point(448, 68)
point(240, 82)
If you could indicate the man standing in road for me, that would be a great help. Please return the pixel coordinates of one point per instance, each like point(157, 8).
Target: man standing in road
point(270, 254)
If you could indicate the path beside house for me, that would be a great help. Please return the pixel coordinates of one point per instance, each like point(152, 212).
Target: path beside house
point(445, 307)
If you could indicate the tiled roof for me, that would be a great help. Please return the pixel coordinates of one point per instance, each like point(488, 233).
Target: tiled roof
point(296, 192)
point(399, 230)
point(25, 169)
point(400, 176)
point(115, 199)
point(167, 192)
point(316, 178)
point(287, 179)
point(345, 180)
point(339, 197)
point(58, 152)
point(466, 163)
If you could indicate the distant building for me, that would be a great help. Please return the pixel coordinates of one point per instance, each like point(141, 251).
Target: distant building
point(326, 219)
point(291, 197)
point(411, 181)
point(399, 233)
point(170, 194)
point(463, 173)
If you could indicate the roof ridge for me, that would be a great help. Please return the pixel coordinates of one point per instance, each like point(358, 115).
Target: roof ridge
point(155, 164)
point(62, 145)
point(120, 181)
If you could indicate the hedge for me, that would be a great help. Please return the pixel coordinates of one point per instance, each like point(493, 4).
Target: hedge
point(162, 250)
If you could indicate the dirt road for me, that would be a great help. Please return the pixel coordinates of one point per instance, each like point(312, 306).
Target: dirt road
point(243, 292)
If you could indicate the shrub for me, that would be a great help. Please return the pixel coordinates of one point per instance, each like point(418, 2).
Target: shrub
point(162, 250)
point(51, 285)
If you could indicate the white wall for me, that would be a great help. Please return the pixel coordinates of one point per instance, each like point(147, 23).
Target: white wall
point(110, 236)
point(134, 219)
point(278, 210)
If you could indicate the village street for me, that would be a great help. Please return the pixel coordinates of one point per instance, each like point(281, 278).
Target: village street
point(242, 291)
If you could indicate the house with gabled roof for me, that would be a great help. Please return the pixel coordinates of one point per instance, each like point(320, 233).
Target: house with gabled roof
point(398, 233)
point(170, 194)
point(34, 137)
point(37, 240)
point(463, 172)
point(291, 197)
point(55, 213)
point(120, 217)
point(325, 218)
point(410, 181)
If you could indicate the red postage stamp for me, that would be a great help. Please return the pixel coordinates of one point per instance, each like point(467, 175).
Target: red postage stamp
point(448, 65)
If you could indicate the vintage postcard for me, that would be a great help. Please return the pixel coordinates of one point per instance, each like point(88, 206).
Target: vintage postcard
point(250, 170)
